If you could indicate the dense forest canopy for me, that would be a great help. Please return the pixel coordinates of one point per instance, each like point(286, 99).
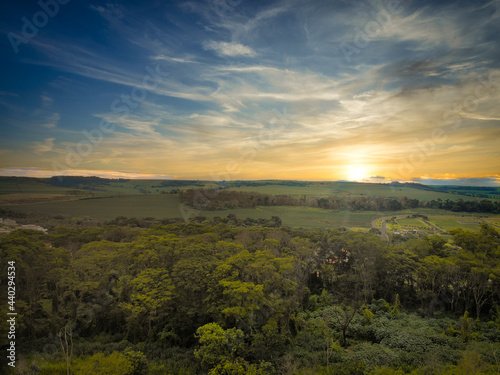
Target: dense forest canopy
point(216, 199)
point(191, 298)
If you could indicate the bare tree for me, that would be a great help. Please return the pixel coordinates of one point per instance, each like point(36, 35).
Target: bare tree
point(480, 285)
point(344, 314)
point(67, 347)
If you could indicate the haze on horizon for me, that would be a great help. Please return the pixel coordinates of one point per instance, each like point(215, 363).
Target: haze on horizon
point(237, 89)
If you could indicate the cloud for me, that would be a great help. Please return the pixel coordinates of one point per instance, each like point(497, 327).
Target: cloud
point(52, 121)
point(46, 100)
point(376, 111)
point(43, 173)
point(41, 147)
point(5, 93)
point(174, 59)
point(229, 49)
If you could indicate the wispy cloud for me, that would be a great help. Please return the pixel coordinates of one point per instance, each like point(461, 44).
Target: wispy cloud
point(41, 147)
point(52, 121)
point(43, 173)
point(229, 49)
point(229, 76)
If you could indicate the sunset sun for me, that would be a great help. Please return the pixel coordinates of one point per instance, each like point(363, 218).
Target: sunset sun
point(357, 173)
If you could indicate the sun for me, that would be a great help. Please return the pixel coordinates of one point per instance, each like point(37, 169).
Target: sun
point(357, 173)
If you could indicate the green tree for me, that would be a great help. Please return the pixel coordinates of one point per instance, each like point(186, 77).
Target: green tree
point(250, 288)
point(151, 295)
point(218, 346)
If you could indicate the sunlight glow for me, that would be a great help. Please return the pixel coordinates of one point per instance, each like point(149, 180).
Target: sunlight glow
point(357, 173)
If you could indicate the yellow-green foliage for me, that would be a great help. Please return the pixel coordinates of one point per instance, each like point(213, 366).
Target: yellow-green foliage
point(386, 371)
point(368, 316)
point(218, 346)
point(113, 364)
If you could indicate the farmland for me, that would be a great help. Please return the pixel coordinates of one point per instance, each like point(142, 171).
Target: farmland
point(168, 206)
point(306, 217)
point(158, 205)
point(107, 199)
point(20, 185)
point(452, 222)
point(105, 187)
point(351, 189)
point(412, 223)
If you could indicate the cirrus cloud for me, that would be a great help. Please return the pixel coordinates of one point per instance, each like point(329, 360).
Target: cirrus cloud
point(229, 49)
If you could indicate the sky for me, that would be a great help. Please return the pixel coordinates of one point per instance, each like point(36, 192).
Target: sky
point(363, 90)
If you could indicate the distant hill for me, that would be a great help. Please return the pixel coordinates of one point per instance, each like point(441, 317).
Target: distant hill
point(413, 185)
point(105, 186)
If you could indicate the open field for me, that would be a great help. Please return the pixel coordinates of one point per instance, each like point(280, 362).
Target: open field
point(489, 192)
point(316, 189)
point(16, 199)
point(141, 198)
point(95, 186)
point(494, 221)
point(142, 186)
point(452, 222)
point(306, 217)
point(65, 185)
point(168, 206)
point(412, 223)
point(140, 206)
point(28, 186)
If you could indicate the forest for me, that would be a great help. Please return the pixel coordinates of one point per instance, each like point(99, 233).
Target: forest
point(211, 199)
point(217, 298)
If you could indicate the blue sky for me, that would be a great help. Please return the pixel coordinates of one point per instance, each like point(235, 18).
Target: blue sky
point(239, 89)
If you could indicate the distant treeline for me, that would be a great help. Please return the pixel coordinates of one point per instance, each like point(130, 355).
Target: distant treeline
point(223, 199)
point(230, 184)
point(459, 205)
point(80, 181)
point(179, 183)
point(488, 189)
point(92, 182)
point(264, 183)
point(226, 199)
point(475, 191)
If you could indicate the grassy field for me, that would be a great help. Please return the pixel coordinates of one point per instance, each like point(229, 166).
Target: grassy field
point(168, 206)
point(140, 206)
point(28, 186)
point(115, 198)
point(140, 186)
point(351, 189)
point(10, 185)
point(306, 217)
point(453, 222)
point(495, 221)
point(16, 199)
point(413, 223)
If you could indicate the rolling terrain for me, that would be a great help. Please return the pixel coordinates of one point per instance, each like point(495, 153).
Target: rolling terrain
point(92, 197)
